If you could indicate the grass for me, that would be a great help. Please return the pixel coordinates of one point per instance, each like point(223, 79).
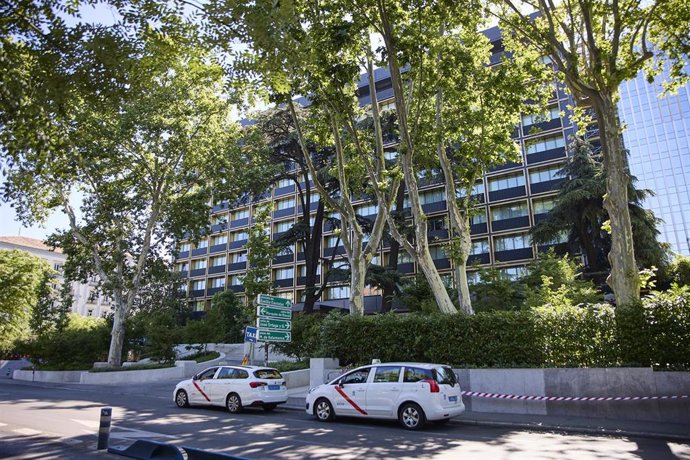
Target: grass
point(140, 367)
point(202, 356)
point(285, 366)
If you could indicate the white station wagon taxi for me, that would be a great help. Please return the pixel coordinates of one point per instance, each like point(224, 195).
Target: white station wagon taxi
point(234, 387)
point(412, 393)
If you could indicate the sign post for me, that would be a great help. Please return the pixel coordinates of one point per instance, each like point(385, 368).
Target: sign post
point(273, 320)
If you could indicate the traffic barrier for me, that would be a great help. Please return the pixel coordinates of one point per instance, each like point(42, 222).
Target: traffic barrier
point(104, 428)
point(479, 394)
point(197, 454)
point(146, 450)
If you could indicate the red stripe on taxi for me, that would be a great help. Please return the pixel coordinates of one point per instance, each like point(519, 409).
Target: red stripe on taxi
point(352, 403)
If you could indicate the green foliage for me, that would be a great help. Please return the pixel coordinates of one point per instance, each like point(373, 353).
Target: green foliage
point(415, 294)
point(287, 366)
point(654, 333)
point(24, 282)
point(139, 367)
point(496, 291)
point(260, 252)
point(305, 336)
point(555, 281)
point(227, 317)
point(83, 341)
point(202, 357)
point(679, 270)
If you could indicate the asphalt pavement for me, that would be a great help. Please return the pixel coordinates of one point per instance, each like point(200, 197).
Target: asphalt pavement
point(586, 425)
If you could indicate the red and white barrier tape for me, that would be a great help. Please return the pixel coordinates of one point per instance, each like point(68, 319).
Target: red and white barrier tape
point(479, 394)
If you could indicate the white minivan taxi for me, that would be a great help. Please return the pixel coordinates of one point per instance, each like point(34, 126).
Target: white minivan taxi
point(412, 393)
point(234, 387)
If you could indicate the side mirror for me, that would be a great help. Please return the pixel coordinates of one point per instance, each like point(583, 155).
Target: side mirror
point(195, 377)
point(341, 384)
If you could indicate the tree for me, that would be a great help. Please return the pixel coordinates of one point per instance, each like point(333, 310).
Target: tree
point(227, 316)
point(260, 252)
point(22, 276)
point(579, 211)
point(137, 122)
point(596, 45)
point(49, 312)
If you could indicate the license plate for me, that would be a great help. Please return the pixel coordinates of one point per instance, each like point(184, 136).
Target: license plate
point(452, 398)
point(274, 387)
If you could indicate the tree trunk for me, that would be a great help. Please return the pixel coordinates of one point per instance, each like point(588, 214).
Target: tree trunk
point(312, 249)
point(117, 335)
point(624, 278)
point(438, 289)
point(393, 253)
point(358, 270)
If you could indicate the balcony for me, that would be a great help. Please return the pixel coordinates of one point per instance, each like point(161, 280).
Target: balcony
point(478, 229)
point(546, 155)
point(237, 266)
point(197, 272)
point(513, 254)
point(434, 207)
point(508, 224)
point(284, 259)
point(197, 293)
point(212, 291)
point(236, 244)
point(503, 167)
point(237, 288)
point(480, 259)
point(328, 252)
point(183, 273)
point(507, 193)
point(442, 263)
point(287, 190)
point(546, 186)
point(216, 269)
point(406, 268)
point(219, 227)
point(441, 234)
point(283, 212)
point(183, 255)
point(541, 127)
point(239, 223)
point(540, 217)
point(199, 252)
point(219, 248)
point(284, 283)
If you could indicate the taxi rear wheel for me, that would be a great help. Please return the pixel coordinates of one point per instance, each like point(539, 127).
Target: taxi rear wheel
point(181, 399)
point(411, 416)
point(233, 403)
point(324, 410)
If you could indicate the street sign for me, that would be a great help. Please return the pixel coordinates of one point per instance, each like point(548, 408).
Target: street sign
point(278, 324)
point(274, 336)
point(271, 312)
point(250, 334)
point(273, 301)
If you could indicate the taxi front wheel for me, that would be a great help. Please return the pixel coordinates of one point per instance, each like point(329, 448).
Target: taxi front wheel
point(324, 410)
point(181, 399)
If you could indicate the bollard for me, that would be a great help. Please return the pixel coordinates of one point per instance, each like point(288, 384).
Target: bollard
point(104, 428)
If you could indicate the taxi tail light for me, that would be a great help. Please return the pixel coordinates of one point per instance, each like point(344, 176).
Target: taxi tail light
point(284, 384)
point(257, 384)
point(433, 386)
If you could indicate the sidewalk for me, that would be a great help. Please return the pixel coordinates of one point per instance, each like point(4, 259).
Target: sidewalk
point(677, 432)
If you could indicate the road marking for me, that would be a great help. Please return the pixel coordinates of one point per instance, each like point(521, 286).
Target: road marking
point(27, 431)
point(3, 424)
point(132, 432)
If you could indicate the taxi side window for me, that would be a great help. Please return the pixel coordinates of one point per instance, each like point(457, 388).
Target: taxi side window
point(241, 374)
point(387, 374)
point(415, 374)
point(208, 374)
point(356, 377)
point(227, 373)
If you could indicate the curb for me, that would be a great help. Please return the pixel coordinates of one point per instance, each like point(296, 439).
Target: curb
point(545, 426)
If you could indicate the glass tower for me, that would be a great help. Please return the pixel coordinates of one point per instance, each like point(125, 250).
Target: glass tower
point(658, 137)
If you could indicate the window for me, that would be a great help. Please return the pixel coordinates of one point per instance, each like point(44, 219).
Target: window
point(197, 306)
point(544, 205)
point(473, 278)
point(505, 182)
point(286, 251)
point(404, 257)
point(219, 239)
point(303, 270)
point(331, 241)
point(479, 218)
point(285, 204)
point(512, 242)
point(551, 114)
point(280, 227)
point(367, 210)
point(217, 261)
point(338, 292)
point(544, 174)
point(561, 237)
point(438, 223)
point(208, 374)
point(238, 236)
point(478, 189)
point(415, 374)
point(438, 252)
point(480, 247)
point(387, 374)
point(283, 273)
point(238, 257)
point(433, 196)
point(509, 211)
point(286, 295)
point(184, 247)
point(390, 155)
point(359, 376)
point(235, 280)
point(240, 214)
point(198, 264)
point(217, 282)
point(514, 273)
point(183, 267)
point(543, 145)
point(314, 196)
point(202, 244)
point(220, 219)
point(285, 182)
point(198, 285)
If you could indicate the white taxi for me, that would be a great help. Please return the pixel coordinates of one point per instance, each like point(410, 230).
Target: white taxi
point(234, 387)
point(412, 393)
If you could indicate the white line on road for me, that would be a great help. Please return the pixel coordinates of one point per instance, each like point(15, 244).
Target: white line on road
point(27, 431)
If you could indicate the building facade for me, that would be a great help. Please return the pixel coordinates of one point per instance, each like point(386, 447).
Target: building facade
point(86, 299)
point(512, 197)
point(658, 137)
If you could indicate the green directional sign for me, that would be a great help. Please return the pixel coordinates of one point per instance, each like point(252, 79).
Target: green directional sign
point(279, 324)
point(274, 336)
point(272, 312)
point(273, 301)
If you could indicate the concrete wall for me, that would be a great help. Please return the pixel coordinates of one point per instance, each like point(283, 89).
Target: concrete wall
point(612, 382)
point(297, 379)
point(48, 376)
point(7, 367)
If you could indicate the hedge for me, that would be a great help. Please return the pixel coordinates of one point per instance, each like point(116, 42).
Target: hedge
point(655, 332)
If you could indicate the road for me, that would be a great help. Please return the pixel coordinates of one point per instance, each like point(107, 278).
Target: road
point(39, 420)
